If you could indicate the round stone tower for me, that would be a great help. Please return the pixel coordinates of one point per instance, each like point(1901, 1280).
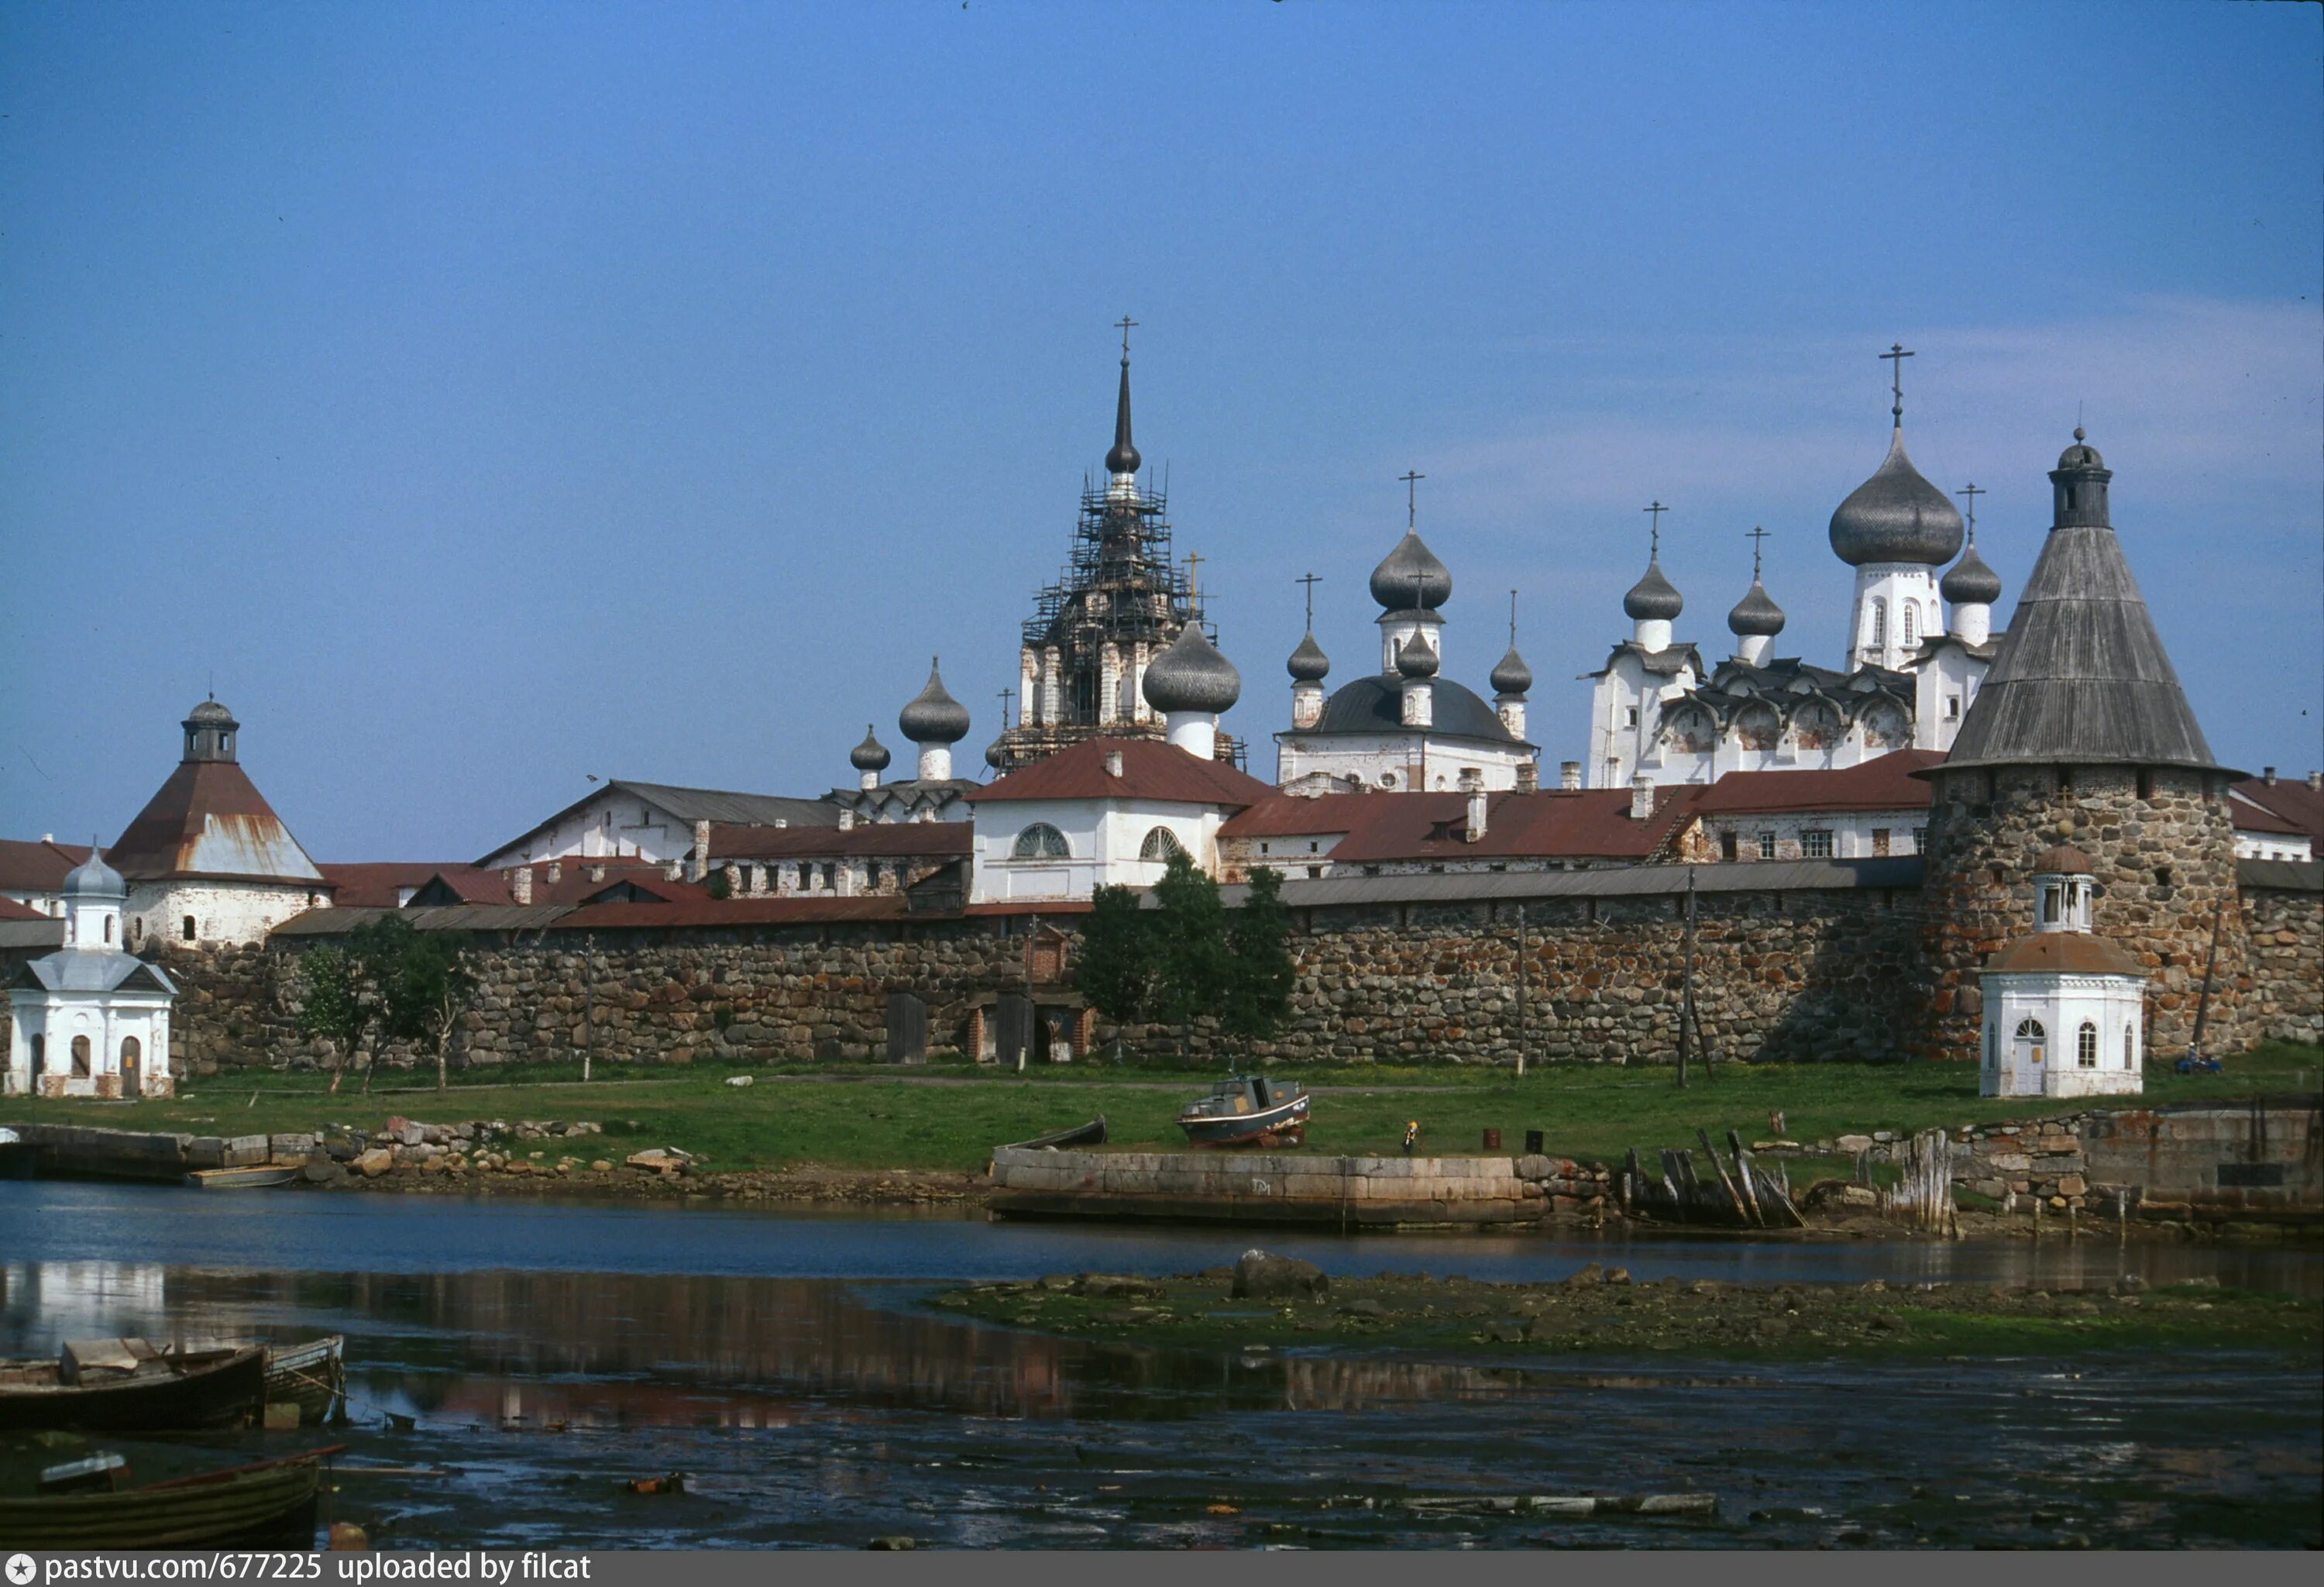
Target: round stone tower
point(2080, 734)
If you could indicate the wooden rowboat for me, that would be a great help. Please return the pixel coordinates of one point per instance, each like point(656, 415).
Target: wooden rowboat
point(273, 1502)
point(311, 1376)
point(264, 1178)
point(150, 1391)
point(1090, 1134)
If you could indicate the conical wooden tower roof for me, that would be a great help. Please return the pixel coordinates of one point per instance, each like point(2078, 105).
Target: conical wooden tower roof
point(2081, 676)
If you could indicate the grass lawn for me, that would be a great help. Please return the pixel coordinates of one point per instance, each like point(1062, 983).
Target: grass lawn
point(1585, 1110)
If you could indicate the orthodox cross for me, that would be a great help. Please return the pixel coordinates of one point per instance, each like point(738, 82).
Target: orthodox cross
point(1655, 547)
point(1411, 497)
point(1311, 581)
point(1972, 492)
point(1194, 566)
point(1895, 355)
point(1126, 325)
point(1754, 537)
point(1513, 619)
point(1007, 695)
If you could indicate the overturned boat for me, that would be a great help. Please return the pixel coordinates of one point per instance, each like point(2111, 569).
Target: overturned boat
point(1249, 1110)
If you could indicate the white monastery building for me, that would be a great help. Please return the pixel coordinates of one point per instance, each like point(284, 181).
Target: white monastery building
point(90, 1019)
point(2064, 1007)
point(1907, 673)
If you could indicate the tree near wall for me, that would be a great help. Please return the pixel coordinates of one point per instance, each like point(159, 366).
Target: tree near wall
point(336, 1004)
point(1115, 966)
point(1192, 962)
point(424, 989)
point(1257, 998)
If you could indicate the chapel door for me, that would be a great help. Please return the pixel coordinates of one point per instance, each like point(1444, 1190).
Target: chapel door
point(130, 1056)
point(2027, 1051)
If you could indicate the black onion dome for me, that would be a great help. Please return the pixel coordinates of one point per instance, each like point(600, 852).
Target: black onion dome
point(1124, 458)
point(1969, 582)
point(1410, 578)
point(1896, 516)
point(934, 716)
point(994, 753)
point(1756, 613)
point(1308, 663)
point(1417, 657)
point(870, 755)
point(1653, 596)
point(1191, 675)
point(1510, 675)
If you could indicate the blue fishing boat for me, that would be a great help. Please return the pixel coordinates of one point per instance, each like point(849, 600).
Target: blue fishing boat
point(1249, 1110)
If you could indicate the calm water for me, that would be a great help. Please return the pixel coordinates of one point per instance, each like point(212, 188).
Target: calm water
point(550, 1352)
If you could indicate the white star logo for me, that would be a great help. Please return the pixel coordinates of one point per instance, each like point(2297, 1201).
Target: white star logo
point(21, 1569)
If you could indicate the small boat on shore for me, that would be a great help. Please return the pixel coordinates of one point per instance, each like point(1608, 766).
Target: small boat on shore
point(1090, 1134)
point(269, 1503)
point(311, 1376)
point(128, 1386)
point(262, 1178)
point(1249, 1110)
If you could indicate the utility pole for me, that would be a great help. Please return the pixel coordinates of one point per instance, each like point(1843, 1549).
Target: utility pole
point(1686, 990)
point(1521, 990)
point(588, 1003)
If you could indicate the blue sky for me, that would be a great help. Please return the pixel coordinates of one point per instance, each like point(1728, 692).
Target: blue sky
point(486, 395)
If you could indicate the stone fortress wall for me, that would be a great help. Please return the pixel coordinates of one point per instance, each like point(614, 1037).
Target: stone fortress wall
point(1802, 975)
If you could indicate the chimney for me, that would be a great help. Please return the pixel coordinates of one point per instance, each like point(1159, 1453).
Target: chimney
point(519, 881)
point(733, 876)
point(1569, 775)
point(1528, 777)
point(2267, 775)
point(1642, 796)
point(1472, 783)
point(2316, 781)
point(1113, 762)
point(596, 874)
point(846, 821)
point(673, 872)
point(556, 872)
point(698, 862)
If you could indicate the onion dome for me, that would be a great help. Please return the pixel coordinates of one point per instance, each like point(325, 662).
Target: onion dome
point(1190, 675)
point(1308, 663)
point(2064, 860)
point(1416, 658)
point(1124, 458)
point(1896, 516)
point(995, 753)
point(870, 755)
point(1652, 596)
point(1410, 578)
point(94, 878)
point(1969, 582)
point(934, 716)
point(1756, 613)
point(1510, 675)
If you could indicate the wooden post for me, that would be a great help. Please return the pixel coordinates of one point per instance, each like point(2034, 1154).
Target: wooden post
point(2203, 1000)
point(1743, 1172)
point(588, 1003)
point(1734, 1196)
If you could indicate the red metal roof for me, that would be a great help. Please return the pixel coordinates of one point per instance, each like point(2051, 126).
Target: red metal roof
point(2298, 807)
point(1159, 772)
point(210, 821)
point(10, 909)
point(1884, 782)
point(934, 839)
point(377, 884)
point(1288, 815)
point(37, 867)
point(1562, 824)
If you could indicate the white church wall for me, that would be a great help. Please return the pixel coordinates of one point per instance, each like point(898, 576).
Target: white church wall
point(105, 1021)
point(611, 825)
point(1625, 711)
point(1402, 762)
point(1104, 840)
point(222, 911)
point(2061, 1004)
point(1944, 687)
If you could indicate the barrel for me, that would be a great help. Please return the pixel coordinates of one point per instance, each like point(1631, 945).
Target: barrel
point(1492, 1141)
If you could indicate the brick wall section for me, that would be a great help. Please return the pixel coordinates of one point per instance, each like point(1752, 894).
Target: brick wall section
point(2284, 958)
point(2164, 849)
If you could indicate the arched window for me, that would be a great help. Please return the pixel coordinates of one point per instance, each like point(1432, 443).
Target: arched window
point(109, 929)
point(1160, 844)
point(2029, 1029)
point(1910, 615)
point(1040, 841)
point(80, 1057)
point(1879, 624)
point(2129, 1045)
point(2085, 1046)
point(189, 929)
